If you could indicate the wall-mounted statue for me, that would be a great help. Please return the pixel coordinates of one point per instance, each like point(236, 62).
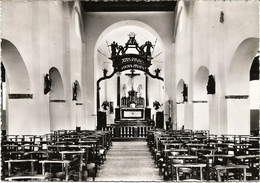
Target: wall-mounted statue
point(156, 105)
point(75, 91)
point(211, 85)
point(47, 84)
point(105, 105)
point(185, 93)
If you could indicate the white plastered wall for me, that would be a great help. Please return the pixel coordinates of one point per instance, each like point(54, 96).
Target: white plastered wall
point(40, 30)
point(204, 40)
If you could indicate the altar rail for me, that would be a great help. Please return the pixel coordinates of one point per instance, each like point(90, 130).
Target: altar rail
point(128, 131)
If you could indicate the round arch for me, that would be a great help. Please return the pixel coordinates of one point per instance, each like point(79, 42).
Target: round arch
point(237, 87)
point(125, 23)
point(180, 107)
point(124, 27)
point(200, 84)
point(179, 92)
point(16, 70)
point(16, 83)
point(58, 117)
point(57, 88)
point(238, 71)
point(76, 21)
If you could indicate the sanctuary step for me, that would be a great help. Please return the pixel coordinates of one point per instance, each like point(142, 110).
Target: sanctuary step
point(128, 132)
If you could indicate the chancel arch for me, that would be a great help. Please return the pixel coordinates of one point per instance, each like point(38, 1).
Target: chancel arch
point(133, 38)
point(237, 89)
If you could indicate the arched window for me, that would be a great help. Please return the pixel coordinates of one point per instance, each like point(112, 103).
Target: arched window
point(77, 24)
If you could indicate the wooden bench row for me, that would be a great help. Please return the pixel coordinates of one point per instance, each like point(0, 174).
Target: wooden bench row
point(191, 149)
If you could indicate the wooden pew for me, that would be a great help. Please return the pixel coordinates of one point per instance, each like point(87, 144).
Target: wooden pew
point(189, 165)
point(27, 177)
point(31, 161)
point(63, 162)
point(229, 167)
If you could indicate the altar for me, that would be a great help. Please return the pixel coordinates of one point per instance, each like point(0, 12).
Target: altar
point(132, 113)
point(132, 107)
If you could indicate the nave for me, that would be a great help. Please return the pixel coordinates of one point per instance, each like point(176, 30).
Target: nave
point(79, 76)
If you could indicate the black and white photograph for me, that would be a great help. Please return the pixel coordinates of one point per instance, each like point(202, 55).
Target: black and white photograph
point(130, 90)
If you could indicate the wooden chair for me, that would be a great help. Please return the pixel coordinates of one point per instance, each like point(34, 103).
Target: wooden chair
point(27, 177)
point(53, 171)
point(185, 167)
point(223, 172)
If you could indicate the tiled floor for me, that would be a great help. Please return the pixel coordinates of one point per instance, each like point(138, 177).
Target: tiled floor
point(128, 161)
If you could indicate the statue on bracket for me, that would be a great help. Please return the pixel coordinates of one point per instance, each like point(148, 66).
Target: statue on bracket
point(75, 91)
point(156, 105)
point(185, 93)
point(105, 104)
point(211, 85)
point(47, 84)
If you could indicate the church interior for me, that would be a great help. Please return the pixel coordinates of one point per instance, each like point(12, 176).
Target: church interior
point(137, 90)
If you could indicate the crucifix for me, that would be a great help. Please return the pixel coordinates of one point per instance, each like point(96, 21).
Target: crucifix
point(132, 75)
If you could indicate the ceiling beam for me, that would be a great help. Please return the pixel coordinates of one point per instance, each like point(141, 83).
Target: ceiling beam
point(119, 6)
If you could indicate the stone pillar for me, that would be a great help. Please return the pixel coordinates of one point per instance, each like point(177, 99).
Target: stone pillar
point(238, 114)
point(146, 91)
point(118, 89)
